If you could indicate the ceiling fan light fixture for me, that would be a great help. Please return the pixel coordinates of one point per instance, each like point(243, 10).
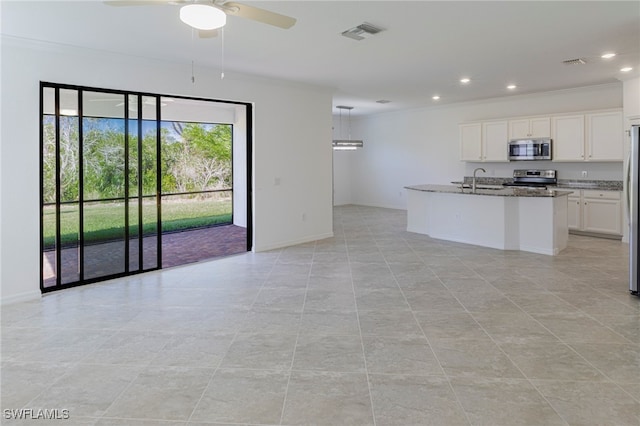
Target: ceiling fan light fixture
point(203, 16)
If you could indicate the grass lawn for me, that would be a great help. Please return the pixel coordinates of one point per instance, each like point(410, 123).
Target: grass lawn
point(105, 221)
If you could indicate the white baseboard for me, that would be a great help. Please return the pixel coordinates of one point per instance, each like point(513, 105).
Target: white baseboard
point(281, 244)
point(382, 206)
point(540, 250)
point(20, 297)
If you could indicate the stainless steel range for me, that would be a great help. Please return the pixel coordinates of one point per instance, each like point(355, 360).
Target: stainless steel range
point(533, 178)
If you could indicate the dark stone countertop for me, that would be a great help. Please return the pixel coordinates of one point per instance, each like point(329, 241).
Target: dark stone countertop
point(575, 184)
point(493, 190)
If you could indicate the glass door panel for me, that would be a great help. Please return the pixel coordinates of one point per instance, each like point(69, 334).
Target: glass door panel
point(69, 186)
point(134, 220)
point(150, 232)
point(104, 230)
point(134, 236)
point(49, 188)
point(150, 205)
point(104, 181)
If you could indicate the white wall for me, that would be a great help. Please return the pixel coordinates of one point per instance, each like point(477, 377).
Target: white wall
point(291, 150)
point(631, 98)
point(422, 145)
point(342, 177)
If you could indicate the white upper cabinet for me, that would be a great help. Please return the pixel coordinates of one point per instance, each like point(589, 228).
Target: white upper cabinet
point(568, 138)
point(597, 136)
point(495, 141)
point(584, 136)
point(471, 142)
point(605, 136)
point(536, 127)
point(484, 141)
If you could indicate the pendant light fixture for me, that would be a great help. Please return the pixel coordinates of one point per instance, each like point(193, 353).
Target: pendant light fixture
point(203, 16)
point(346, 144)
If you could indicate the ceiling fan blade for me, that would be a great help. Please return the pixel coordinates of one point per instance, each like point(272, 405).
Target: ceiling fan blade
point(257, 14)
point(137, 2)
point(207, 33)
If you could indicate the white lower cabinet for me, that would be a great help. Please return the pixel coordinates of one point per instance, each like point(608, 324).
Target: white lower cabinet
point(598, 212)
point(575, 212)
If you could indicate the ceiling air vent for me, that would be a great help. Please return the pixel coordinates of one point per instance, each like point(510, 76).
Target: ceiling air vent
point(577, 61)
point(362, 31)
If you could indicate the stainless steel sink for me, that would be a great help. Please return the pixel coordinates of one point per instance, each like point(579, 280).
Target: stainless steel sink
point(468, 186)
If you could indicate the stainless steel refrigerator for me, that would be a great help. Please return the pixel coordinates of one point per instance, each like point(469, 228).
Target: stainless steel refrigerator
point(633, 195)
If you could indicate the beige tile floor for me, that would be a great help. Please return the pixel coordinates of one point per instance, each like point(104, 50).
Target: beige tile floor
point(374, 326)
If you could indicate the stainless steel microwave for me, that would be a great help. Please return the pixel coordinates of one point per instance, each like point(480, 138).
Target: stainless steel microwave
point(530, 149)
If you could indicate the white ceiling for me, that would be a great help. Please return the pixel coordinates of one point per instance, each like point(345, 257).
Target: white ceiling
point(426, 48)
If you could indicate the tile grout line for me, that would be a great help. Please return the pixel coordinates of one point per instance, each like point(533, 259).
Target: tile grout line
point(528, 379)
point(364, 357)
point(295, 346)
point(235, 335)
point(448, 378)
point(567, 344)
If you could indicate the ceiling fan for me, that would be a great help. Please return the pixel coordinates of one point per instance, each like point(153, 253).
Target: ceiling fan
point(209, 15)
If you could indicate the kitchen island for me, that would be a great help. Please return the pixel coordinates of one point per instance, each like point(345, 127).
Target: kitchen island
point(512, 218)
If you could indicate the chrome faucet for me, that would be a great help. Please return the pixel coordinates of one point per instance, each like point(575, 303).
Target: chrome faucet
point(473, 183)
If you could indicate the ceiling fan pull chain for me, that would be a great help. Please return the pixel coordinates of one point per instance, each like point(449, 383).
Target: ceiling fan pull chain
point(193, 77)
point(222, 50)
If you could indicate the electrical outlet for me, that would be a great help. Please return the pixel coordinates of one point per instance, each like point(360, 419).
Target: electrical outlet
point(584, 173)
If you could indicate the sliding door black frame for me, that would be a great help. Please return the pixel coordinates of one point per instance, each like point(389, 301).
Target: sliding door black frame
point(158, 195)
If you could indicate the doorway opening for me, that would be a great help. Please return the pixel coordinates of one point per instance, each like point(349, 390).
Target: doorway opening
point(132, 182)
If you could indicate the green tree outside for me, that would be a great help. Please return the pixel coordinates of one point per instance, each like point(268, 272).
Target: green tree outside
point(194, 157)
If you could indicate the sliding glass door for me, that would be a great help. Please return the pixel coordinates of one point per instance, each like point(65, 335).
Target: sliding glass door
point(100, 209)
point(110, 164)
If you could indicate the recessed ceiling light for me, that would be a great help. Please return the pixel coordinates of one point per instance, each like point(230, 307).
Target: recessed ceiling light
point(511, 86)
point(435, 98)
point(465, 80)
point(608, 55)
point(383, 101)
point(626, 69)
